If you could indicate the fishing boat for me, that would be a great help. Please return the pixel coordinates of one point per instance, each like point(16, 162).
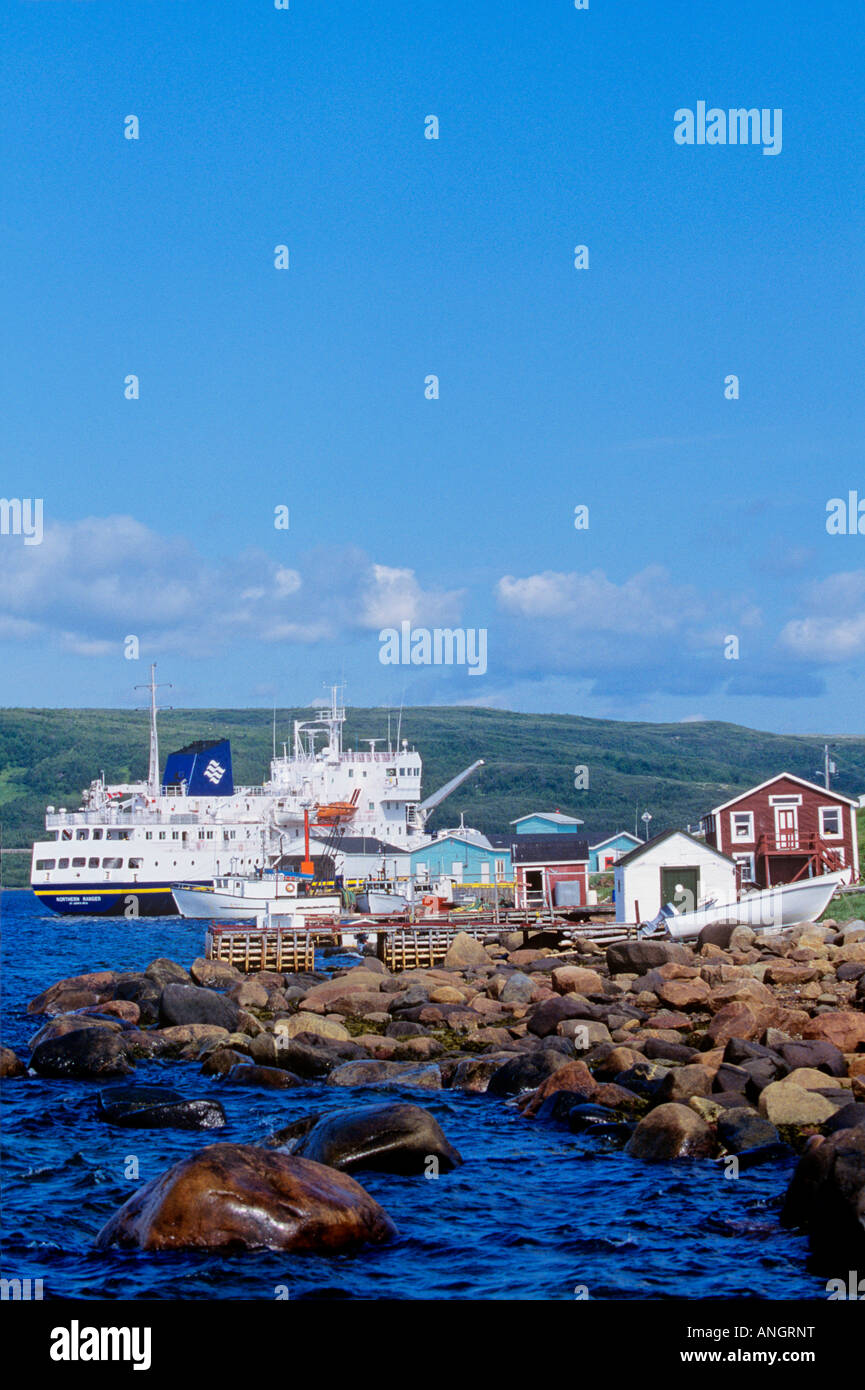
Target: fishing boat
point(780, 906)
point(243, 897)
point(382, 897)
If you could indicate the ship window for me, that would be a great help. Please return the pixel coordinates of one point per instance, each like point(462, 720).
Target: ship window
point(63, 863)
point(66, 835)
point(148, 834)
point(391, 772)
point(46, 864)
point(82, 834)
point(93, 863)
point(135, 863)
point(351, 772)
point(112, 863)
point(175, 835)
point(79, 863)
point(97, 834)
point(51, 834)
point(162, 834)
point(117, 835)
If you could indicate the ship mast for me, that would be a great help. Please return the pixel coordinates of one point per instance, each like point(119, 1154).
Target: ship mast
point(153, 766)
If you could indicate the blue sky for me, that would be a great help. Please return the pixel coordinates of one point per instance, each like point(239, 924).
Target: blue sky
point(454, 256)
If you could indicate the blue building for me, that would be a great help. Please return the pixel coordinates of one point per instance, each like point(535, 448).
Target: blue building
point(608, 852)
point(466, 856)
point(546, 823)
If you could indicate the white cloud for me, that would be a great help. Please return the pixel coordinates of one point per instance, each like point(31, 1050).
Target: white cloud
point(93, 582)
point(833, 628)
point(647, 604)
point(393, 596)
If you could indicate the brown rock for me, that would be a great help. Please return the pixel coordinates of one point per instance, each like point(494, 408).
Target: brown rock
point(684, 994)
point(10, 1065)
point(75, 993)
point(573, 979)
point(573, 1076)
point(235, 1196)
point(670, 1131)
point(842, 1027)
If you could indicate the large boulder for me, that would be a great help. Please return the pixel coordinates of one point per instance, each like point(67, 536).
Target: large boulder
point(525, 1072)
point(387, 1074)
point(387, 1138)
point(167, 972)
point(785, 1103)
point(181, 1003)
point(463, 951)
point(81, 1054)
point(850, 1116)
point(826, 1197)
point(214, 974)
point(10, 1065)
point(670, 1131)
point(74, 993)
point(248, 1074)
point(474, 1073)
point(740, 1129)
point(813, 1052)
point(157, 1107)
point(304, 1023)
point(636, 957)
point(518, 989)
point(845, 1028)
point(573, 1077)
point(235, 1196)
point(547, 1015)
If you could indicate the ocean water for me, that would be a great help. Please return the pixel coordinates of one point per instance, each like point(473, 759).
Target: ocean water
point(534, 1213)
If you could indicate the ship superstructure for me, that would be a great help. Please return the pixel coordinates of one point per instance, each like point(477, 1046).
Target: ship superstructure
point(122, 850)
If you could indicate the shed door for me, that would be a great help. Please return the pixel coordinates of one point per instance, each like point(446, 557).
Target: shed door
point(680, 886)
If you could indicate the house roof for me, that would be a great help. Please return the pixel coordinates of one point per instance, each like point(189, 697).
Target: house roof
point(558, 818)
point(367, 844)
point(779, 777)
point(550, 849)
point(656, 840)
point(473, 838)
point(620, 834)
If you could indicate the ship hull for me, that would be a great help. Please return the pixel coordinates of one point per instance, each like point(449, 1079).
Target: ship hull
point(116, 900)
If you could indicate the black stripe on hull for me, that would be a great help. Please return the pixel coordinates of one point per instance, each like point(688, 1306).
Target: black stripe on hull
point(121, 900)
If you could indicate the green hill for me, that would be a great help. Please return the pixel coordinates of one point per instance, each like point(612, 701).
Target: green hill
point(677, 771)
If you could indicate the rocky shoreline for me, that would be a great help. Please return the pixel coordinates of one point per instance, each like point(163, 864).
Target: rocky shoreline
point(740, 1049)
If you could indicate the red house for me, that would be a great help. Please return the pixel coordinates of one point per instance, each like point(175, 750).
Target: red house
point(550, 871)
point(786, 829)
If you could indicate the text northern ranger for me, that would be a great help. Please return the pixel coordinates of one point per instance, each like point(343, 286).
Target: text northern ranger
point(76, 1343)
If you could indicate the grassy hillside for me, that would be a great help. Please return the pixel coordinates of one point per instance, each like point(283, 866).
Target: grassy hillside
point(678, 771)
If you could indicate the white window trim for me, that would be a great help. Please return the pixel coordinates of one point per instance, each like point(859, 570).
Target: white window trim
point(748, 860)
point(832, 835)
point(736, 839)
point(785, 800)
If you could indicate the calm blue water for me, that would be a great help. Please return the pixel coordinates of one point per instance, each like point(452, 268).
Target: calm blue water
point(534, 1211)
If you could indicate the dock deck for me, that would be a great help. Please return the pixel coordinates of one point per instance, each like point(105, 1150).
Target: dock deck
point(400, 944)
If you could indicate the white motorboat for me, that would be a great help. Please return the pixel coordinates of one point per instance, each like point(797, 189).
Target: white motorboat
point(242, 897)
point(780, 906)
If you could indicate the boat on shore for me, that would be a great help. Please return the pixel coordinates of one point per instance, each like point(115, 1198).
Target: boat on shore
point(780, 906)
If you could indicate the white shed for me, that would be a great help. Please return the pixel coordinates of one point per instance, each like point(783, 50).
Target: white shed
point(673, 867)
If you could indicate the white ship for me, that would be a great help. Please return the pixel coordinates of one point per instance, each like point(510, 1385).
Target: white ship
point(124, 849)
